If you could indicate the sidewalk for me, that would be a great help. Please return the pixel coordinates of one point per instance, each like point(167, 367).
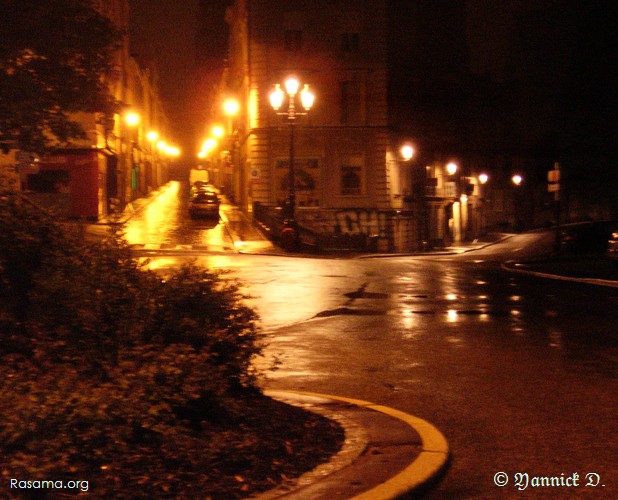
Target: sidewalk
point(386, 454)
point(244, 233)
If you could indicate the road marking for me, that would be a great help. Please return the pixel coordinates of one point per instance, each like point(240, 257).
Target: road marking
point(430, 462)
point(589, 281)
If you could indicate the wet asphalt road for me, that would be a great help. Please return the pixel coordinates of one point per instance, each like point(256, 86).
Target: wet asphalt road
point(519, 373)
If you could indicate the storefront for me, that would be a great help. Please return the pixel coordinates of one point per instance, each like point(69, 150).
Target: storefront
point(72, 184)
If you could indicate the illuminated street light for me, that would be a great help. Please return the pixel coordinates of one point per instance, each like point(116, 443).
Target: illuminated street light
point(307, 98)
point(161, 145)
point(209, 144)
point(407, 152)
point(218, 131)
point(132, 119)
point(152, 136)
point(483, 178)
point(517, 179)
point(451, 168)
point(276, 97)
point(231, 107)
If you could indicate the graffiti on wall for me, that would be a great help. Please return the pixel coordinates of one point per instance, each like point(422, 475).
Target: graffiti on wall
point(361, 221)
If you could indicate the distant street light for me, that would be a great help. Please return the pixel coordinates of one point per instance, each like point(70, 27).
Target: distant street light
point(218, 131)
point(451, 168)
point(307, 99)
point(132, 119)
point(231, 107)
point(407, 152)
point(517, 180)
point(152, 137)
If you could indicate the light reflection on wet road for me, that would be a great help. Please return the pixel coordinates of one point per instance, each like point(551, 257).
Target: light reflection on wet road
point(519, 373)
point(164, 223)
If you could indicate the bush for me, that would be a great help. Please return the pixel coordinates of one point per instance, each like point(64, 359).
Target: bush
point(108, 370)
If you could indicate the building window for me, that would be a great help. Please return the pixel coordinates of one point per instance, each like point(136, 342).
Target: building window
point(350, 42)
point(306, 181)
point(293, 40)
point(351, 180)
point(49, 181)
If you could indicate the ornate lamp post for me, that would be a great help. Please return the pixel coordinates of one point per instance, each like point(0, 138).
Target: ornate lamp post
point(234, 180)
point(416, 179)
point(290, 231)
point(152, 137)
point(133, 120)
point(517, 181)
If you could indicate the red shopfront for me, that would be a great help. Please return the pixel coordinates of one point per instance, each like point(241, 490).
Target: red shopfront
point(73, 184)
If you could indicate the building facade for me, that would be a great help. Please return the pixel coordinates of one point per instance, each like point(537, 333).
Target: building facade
point(116, 162)
point(347, 180)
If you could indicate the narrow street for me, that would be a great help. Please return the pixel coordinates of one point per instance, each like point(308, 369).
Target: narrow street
point(164, 224)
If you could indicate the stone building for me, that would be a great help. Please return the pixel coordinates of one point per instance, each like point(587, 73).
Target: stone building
point(348, 182)
point(116, 162)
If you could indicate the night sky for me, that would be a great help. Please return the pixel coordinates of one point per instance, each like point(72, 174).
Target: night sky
point(187, 42)
point(553, 59)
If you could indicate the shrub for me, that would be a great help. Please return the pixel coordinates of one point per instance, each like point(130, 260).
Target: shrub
point(109, 370)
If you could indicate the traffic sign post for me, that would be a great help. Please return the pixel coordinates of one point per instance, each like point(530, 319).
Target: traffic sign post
point(553, 186)
point(553, 181)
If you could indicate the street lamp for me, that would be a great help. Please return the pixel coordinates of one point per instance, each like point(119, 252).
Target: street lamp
point(407, 152)
point(231, 107)
point(233, 182)
point(483, 179)
point(152, 137)
point(517, 180)
point(451, 168)
point(416, 180)
point(133, 119)
point(218, 131)
point(307, 99)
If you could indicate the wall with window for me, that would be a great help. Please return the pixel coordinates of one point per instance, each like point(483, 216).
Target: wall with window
point(339, 49)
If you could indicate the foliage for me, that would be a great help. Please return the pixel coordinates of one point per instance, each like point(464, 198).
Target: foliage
point(53, 59)
point(113, 373)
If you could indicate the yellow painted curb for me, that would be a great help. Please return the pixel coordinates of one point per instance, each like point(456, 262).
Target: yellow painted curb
point(427, 465)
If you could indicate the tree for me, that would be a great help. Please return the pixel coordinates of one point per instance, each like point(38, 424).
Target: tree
point(54, 57)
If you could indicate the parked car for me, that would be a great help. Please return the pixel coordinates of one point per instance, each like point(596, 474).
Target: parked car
point(202, 186)
point(586, 237)
point(204, 204)
point(612, 246)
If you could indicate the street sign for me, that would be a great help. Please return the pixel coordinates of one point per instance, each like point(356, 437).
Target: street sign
point(553, 175)
point(553, 181)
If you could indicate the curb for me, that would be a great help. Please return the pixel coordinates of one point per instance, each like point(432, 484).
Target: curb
point(511, 266)
point(426, 467)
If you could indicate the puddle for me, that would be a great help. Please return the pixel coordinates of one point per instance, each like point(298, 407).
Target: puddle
point(346, 311)
point(366, 295)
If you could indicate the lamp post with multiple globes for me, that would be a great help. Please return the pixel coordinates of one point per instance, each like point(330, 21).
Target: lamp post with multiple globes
point(307, 98)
